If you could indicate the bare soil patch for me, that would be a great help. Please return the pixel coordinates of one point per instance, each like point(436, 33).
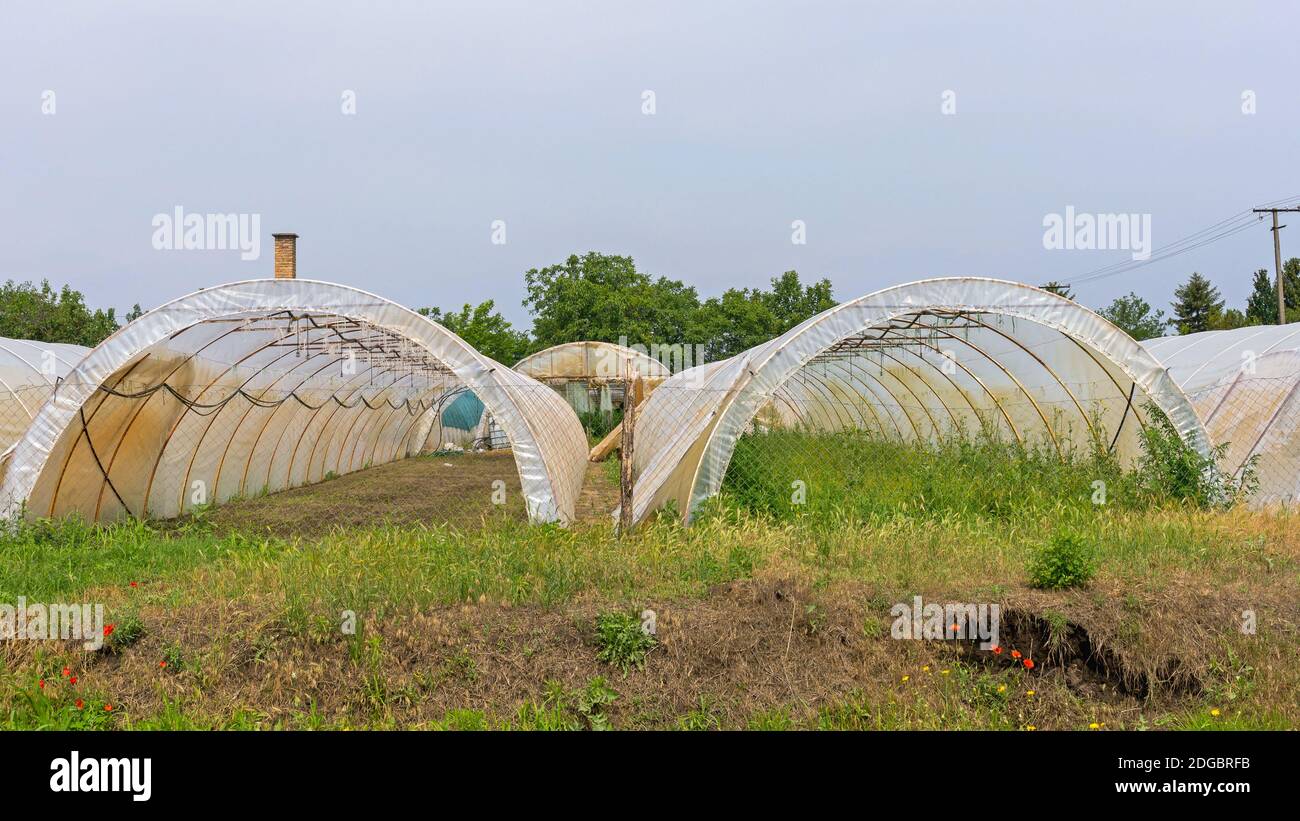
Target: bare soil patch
point(440, 488)
point(747, 648)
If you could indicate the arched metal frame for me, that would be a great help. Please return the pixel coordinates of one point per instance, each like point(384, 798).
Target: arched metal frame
point(689, 426)
point(547, 440)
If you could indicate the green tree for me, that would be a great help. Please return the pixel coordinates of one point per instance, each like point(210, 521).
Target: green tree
point(485, 329)
point(135, 313)
point(745, 317)
point(733, 322)
point(791, 302)
point(1291, 288)
point(605, 298)
point(46, 315)
point(1133, 314)
point(1261, 306)
point(1058, 288)
point(1197, 305)
point(1229, 319)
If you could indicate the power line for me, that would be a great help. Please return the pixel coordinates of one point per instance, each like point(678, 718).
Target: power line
point(1222, 229)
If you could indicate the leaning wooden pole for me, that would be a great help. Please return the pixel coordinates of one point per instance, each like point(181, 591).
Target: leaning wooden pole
point(626, 449)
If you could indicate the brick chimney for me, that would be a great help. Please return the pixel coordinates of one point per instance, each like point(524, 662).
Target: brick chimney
point(286, 256)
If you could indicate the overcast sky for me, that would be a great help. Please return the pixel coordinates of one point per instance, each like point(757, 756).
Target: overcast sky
point(533, 113)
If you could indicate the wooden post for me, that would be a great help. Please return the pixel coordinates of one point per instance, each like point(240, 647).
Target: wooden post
point(632, 389)
point(1277, 258)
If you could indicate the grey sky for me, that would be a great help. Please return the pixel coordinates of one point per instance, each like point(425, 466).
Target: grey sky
point(532, 113)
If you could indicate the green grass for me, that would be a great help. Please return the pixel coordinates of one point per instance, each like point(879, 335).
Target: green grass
point(47, 561)
point(373, 570)
point(857, 475)
point(967, 520)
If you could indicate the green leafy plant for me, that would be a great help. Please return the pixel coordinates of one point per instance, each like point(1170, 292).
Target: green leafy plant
point(1066, 560)
point(1172, 468)
point(622, 642)
point(593, 700)
point(551, 713)
point(599, 423)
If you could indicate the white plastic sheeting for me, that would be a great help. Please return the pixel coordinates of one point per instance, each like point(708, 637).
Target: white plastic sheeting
point(28, 373)
point(1243, 384)
point(590, 361)
point(592, 375)
point(914, 362)
point(261, 385)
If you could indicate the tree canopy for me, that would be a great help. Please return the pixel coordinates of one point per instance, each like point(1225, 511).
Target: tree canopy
point(745, 317)
point(485, 329)
point(605, 298)
point(1133, 314)
point(1197, 305)
point(46, 315)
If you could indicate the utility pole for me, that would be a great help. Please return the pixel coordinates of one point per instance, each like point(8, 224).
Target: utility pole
point(1277, 257)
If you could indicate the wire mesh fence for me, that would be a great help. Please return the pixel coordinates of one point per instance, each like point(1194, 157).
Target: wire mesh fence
point(1253, 418)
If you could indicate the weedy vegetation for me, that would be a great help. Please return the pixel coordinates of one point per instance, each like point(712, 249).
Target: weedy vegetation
point(1170, 605)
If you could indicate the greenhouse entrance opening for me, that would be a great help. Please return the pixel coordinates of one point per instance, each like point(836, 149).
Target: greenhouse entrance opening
point(234, 394)
point(951, 394)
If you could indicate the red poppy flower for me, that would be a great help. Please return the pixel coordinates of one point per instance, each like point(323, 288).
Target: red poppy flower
point(1015, 654)
point(108, 630)
point(72, 680)
point(1029, 664)
point(108, 708)
point(997, 651)
point(162, 664)
point(66, 672)
point(41, 684)
point(80, 704)
point(135, 584)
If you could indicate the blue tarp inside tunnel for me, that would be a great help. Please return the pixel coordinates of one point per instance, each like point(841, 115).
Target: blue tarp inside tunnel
point(463, 413)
